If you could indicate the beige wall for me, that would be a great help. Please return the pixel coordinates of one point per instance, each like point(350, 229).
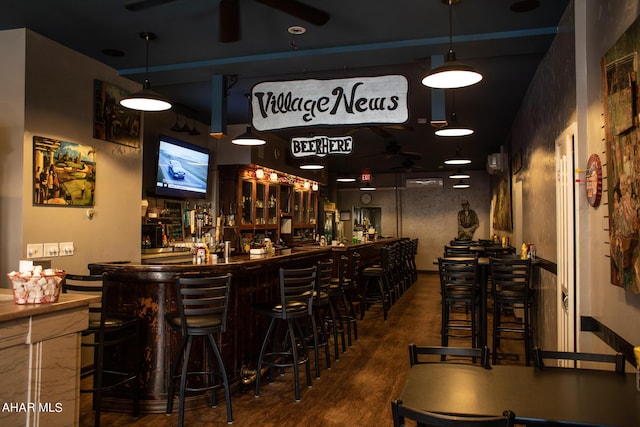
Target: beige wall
point(428, 215)
point(55, 96)
point(12, 82)
point(598, 25)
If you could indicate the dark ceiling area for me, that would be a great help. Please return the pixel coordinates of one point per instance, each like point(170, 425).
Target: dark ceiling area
point(249, 41)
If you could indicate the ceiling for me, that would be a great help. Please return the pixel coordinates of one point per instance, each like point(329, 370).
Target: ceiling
point(360, 38)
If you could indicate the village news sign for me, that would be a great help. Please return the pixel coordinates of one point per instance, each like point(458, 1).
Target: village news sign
point(303, 103)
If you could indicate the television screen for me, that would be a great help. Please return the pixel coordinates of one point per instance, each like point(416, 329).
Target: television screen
point(182, 169)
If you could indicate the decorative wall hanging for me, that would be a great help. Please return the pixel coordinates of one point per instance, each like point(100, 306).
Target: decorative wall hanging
point(619, 71)
point(64, 173)
point(593, 179)
point(303, 103)
point(112, 122)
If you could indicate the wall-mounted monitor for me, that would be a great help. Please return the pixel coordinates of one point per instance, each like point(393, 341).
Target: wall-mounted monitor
point(182, 169)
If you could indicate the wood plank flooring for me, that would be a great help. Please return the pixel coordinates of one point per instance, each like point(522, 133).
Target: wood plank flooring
point(356, 391)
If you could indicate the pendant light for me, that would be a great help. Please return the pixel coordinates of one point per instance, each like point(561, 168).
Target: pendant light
point(367, 187)
point(248, 138)
point(311, 165)
point(458, 160)
point(451, 74)
point(345, 179)
point(146, 99)
point(453, 129)
point(459, 174)
point(461, 184)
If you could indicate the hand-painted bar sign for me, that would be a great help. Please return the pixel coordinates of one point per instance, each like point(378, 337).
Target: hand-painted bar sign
point(301, 103)
point(320, 146)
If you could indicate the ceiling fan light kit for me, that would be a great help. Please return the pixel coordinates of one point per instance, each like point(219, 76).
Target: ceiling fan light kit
point(452, 74)
point(146, 99)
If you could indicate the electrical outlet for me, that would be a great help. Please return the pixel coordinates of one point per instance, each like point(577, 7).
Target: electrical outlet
point(51, 249)
point(66, 248)
point(35, 250)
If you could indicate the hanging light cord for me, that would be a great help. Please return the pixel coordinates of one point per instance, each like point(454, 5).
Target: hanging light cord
point(146, 62)
point(450, 26)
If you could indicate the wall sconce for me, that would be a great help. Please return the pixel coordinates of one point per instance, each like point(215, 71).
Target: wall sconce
point(273, 177)
point(314, 187)
point(259, 173)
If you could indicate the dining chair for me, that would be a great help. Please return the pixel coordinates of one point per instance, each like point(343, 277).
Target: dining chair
point(474, 353)
point(399, 412)
point(539, 355)
point(457, 250)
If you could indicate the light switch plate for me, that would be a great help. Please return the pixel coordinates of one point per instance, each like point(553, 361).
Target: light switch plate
point(51, 249)
point(35, 250)
point(66, 248)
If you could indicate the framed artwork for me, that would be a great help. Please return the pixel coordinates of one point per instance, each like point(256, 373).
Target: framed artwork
point(501, 199)
point(111, 121)
point(345, 215)
point(620, 92)
point(64, 173)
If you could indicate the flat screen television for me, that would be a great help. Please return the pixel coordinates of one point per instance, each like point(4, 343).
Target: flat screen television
point(182, 169)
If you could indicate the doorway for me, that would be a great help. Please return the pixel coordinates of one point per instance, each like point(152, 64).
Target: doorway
point(565, 202)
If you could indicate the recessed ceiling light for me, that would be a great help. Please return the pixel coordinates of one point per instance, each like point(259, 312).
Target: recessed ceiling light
point(296, 30)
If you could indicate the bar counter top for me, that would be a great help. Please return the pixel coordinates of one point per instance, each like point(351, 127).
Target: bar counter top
point(12, 311)
point(147, 291)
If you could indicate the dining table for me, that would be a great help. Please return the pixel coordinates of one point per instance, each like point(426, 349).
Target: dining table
point(567, 396)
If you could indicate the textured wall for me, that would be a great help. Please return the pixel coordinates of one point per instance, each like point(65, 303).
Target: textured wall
point(547, 110)
point(429, 215)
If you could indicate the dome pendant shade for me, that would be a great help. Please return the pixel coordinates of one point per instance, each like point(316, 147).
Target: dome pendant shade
point(452, 74)
point(454, 129)
point(459, 174)
point(146, 100)
point(248, 138)
point(461, 184)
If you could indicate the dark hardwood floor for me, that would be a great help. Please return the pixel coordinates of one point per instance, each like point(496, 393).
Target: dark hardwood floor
point(356, 391)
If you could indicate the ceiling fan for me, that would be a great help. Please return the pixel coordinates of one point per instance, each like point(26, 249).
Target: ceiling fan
point(381, 130)
point(229, 13)
point(408, 165)
point(394, 149)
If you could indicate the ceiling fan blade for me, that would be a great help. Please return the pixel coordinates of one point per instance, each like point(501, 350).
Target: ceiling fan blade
point(299, 10)
point(136, 5)
point(229, 16)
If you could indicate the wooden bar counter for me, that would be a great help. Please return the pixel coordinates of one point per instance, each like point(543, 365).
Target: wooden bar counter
point(147, 290)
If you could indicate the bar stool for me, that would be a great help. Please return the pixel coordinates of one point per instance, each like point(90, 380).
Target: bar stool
point(295, 302)
point(342, 287)
point(112, 331)
point(203, 304)
point(511, 286)
point(379, 274)
point(325, 308)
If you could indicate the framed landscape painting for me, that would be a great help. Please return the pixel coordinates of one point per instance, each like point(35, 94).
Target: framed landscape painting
point(64, 173)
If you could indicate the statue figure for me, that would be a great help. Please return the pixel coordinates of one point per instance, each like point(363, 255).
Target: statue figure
point(467, 222)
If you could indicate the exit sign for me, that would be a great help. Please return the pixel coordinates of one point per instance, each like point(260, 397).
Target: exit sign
point(365, 177)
